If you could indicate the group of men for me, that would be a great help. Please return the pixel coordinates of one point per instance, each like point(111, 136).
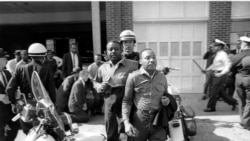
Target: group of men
point(128, 82)
point(228, 77)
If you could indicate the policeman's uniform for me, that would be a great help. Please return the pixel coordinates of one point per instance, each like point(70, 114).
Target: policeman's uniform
point(242, 84)
point(22, 78)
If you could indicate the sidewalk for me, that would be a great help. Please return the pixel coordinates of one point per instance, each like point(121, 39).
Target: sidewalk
point(222, 125)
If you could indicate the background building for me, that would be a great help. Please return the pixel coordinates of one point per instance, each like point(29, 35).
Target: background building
point(177, 31)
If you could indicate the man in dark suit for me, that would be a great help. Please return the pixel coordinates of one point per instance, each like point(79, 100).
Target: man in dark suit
point(71, 61)
point(5, 106)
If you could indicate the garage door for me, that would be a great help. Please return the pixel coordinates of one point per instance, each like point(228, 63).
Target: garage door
point(176, 45)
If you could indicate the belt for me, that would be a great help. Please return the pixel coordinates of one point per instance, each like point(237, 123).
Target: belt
point(149, 111)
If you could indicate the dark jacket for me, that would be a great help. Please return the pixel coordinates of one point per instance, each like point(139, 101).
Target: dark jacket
point(165, 113)
point(21, 79)
point(5, 109)
point(67, 65)
point(236, 61)
point(63, 93)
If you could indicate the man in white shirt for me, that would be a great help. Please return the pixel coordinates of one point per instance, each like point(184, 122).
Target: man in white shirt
point(220, 67)
point(11, 64)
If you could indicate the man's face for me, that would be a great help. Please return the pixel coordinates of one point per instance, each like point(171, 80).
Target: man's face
point(114, 51)
point(148, 60)
point(243, 45)
point(18, 56)
point(128, 46)
point(98, 59)
point(216, 48)
point(24, 55)
point(50, 55)
point(73, 48)
point(84, 74)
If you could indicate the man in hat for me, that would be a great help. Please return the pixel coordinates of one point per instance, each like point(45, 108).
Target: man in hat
point(5, 106)
point(245, 51)
point(11, 64)
point(242, 83)
point(22, 79)
point(220, 67)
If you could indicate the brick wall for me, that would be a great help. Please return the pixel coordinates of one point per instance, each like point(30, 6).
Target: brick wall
point(119, 16)
point(219, 24)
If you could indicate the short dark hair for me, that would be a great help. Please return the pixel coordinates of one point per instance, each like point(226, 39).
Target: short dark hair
point(145, 49)
point(115, 42)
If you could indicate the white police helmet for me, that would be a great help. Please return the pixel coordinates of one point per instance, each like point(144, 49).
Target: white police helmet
point(37, 49)
point(127, 35)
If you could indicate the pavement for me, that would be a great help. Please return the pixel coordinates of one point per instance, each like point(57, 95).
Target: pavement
point(222, 125)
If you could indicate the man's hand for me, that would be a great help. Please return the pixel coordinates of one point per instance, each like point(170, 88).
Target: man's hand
point(165, 100)
point(130, 130)
point(103, 87)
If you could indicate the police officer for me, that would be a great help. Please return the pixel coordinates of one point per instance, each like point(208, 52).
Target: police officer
point(220, 68)
point(128, 40)
point(22, 77)
point(242, 84)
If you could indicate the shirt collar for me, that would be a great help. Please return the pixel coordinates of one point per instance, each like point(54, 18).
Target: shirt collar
point(122, 61)
point(143, 71)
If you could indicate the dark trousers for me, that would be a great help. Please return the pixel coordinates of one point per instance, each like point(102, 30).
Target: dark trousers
point(79, 117)
point(244, 106)
point(217, 91)
point(207, 84)
point(142, 120)
point(112, 117)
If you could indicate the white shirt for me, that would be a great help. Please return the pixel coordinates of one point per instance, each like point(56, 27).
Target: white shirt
point(11, 65)
point(74, 60)
point(221, 62)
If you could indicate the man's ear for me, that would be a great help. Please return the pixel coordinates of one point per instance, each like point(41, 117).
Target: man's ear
point(140, 61)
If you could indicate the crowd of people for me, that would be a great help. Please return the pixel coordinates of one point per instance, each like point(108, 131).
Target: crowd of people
point(126, 88)
point(227, 77)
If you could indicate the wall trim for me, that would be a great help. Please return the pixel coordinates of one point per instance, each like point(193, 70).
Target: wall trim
point(157, 20)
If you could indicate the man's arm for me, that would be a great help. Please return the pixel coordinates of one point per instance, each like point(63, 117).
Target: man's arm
point(12, 87)
point(127, 101)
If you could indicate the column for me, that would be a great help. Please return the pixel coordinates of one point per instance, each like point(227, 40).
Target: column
point(96, 27)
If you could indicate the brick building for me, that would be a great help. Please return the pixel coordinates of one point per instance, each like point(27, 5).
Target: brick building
point(178, 32)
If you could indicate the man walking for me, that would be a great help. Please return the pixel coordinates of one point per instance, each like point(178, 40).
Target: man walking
point(144, 95)
point(220, 67)
point(110, 80)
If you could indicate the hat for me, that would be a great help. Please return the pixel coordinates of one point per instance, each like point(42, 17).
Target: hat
point(219, 42)
point(2, 54)
point(245, 39)
point(17, 52)
point(246, 62)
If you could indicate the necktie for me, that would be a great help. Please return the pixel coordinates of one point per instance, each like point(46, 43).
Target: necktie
point(73, 60)
point(4, 79)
